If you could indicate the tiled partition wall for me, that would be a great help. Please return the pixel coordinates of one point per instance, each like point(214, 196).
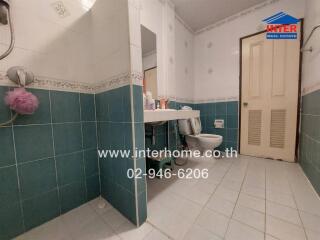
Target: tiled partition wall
point(116, 126)
point(139, 143)
point(48, 161)
point(310, 138)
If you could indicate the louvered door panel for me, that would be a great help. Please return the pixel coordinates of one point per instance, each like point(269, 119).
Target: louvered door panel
point(278, 128)
point(254, 126)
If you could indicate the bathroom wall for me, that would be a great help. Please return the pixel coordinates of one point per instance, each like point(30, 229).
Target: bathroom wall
point(216, 49)
point(216, 65)
point(48, 162)
point(47, 44)
point(310, 119)
point(206, 63)
point(73, 57)
point(174, 49)
point(159, 17)
point(184, 61)
point(64, 52)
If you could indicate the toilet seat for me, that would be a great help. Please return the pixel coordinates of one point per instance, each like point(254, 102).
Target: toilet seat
point(207, 140)
point(204, 141)
point(209, 136)
point(191, 129)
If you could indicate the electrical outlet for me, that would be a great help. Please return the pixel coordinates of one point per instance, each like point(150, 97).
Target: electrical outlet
point(60, 9)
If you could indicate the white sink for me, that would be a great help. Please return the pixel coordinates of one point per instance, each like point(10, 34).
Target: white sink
point(161, 110)
point(168, 114)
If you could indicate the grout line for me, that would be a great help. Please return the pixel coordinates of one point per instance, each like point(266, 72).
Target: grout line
point(82, 147)
point(310, 114)
point(286, 221)
point(56, 188)
point(221, 181)
point(97, 139)
point(308, 136)
point(295, 201)
point(249, 226)
point(160, 230)
point(46, 158)
point(54, 153)
point(13, 165)
point(185, 198)
point(18, 177)
point(235, 205)
point(38, 195)
point(310, 184)
point(281, 204)
point(205, 204)
point(108, 121)
point(48, 123)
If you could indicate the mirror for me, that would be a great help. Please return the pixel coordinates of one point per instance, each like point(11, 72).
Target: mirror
point(149, 61)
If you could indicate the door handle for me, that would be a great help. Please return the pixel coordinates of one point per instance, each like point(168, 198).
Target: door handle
point(245, 104)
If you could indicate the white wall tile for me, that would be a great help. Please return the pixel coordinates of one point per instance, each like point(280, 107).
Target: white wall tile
point(87, 46)
point(223, 55)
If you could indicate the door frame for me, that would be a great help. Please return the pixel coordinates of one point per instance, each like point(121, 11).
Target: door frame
point(299, 89)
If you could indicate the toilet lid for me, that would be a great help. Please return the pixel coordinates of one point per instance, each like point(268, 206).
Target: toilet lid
point(195, 125)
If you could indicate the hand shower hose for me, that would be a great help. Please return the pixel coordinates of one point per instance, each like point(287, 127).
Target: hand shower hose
point(12, 37)
point(9, 50)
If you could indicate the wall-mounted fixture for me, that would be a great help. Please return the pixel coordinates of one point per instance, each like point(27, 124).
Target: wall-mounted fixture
point(20, 76)
point(5, 18)
point(310, 49)
point(219, 123)
point(19, 99)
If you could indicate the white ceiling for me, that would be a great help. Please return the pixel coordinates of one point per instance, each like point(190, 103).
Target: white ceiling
point(198, 14)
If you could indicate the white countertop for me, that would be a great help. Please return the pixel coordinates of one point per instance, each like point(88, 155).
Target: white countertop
point(168, 115)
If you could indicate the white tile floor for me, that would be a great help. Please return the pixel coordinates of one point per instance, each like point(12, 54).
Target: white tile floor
point(243, 199)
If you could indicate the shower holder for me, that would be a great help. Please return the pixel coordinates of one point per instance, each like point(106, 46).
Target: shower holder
point(20, 76)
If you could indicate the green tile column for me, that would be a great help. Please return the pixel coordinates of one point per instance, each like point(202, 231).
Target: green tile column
point(309, 146)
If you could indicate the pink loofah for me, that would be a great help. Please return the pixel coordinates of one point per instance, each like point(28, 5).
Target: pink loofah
point(21, 101)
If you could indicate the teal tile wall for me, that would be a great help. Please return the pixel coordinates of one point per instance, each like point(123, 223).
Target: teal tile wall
point(161, 140)
point(48, 162)
point(309, 149)
point(114, 119)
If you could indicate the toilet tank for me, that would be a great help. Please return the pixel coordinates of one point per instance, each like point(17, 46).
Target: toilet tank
point(185, 127)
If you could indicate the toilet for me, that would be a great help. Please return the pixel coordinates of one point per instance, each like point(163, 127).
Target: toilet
point(191, 129)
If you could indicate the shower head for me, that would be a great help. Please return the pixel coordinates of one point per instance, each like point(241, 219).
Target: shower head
point(4, 7)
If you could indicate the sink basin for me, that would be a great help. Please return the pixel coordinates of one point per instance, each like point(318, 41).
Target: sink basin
point(161, 110)
point(161, 115)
